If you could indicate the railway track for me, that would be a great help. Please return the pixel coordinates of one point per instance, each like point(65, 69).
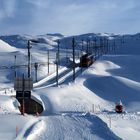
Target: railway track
point(65, 76)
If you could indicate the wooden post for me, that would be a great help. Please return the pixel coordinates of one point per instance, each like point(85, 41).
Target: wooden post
point(17, 131)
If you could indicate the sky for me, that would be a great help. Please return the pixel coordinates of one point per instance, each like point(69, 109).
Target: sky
point(69, 17)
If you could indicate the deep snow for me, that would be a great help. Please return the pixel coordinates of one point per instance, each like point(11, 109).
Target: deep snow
point(113, 77)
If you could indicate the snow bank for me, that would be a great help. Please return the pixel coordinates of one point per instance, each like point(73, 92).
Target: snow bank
point(75, 126)
point(8, 105)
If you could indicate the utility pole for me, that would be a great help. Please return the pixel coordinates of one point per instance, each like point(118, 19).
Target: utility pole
point(23, 101)
point(95, 47)
point(15, 67)
point(82, 55)
point(29, 59)
point(66, 52)
point(57, 63)
point(82, 44)
point(104, 44)
point(98, 48)
point(48, 62)
point(36, 67)
point(114, 46)
point(57, 69)
point(73, 48)
point(107, 46)
point(29, 55)
point(92, 50)
point(58, 42)
point(87, 45)
point(123, 39)
point(101, 46)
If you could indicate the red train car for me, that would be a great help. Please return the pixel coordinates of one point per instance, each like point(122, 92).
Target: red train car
point(119, 107)
point(86, 60)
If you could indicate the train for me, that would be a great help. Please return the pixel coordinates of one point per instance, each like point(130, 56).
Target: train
point(86, 60)
point(119, 107)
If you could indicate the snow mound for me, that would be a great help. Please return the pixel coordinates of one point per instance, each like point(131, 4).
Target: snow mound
point(75, 126)
point(101, 67)
point(8, 105)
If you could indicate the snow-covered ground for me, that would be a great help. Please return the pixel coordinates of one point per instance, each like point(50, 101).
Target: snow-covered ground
point(78, 110)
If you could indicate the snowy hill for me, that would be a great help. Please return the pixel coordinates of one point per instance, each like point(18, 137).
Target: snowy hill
point(20, 41)
point(16, 40)
point(5, 47)
point(83, 109)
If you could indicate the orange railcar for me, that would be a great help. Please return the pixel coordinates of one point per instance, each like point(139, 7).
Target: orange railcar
point(119, 108)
